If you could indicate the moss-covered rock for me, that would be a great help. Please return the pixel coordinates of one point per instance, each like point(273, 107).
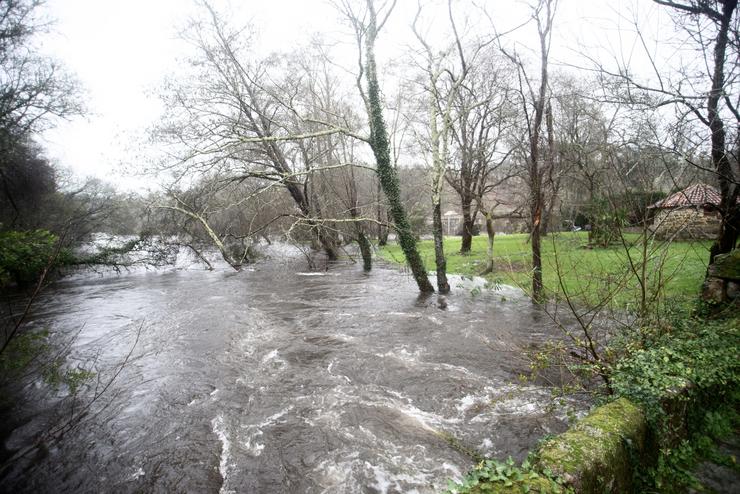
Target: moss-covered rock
point(726, 266)
point(597, 454)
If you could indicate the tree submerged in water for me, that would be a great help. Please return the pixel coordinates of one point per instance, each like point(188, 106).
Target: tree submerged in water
point(379, 143)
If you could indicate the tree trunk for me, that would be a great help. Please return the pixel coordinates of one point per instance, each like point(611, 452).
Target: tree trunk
point(537, 252)
point(366, 250)
point(236, 265)
point(730, 224)
point(382, 229)
point(383, 235)
point(535, 171)
point(467, 227)
point(387, 174)
point(489, 253)
point(439, 255)
point(326, 241)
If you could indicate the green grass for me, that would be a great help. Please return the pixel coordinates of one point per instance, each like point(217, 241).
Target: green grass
point(586, 274)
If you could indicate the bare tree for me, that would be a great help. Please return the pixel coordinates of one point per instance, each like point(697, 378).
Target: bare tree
point(34, 93)
point(537, 112)
point(480, 159)
point(440, 108)
point(245, 118)
point(722, 14)
point(34, 90)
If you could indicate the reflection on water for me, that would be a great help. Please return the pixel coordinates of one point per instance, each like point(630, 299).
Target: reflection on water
point(280, 380)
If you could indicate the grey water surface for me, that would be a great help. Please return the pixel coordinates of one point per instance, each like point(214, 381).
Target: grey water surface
point(277, 379)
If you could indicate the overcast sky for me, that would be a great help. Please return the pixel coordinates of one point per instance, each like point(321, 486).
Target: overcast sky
point(121, 52)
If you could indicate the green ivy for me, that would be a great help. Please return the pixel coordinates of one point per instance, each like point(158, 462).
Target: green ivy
point(701, 356)
point(506, 476)
point(697, 366)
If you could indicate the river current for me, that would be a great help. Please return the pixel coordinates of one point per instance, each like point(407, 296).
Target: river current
point(281, 380)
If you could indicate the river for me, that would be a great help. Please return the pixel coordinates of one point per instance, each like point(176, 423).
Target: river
point(277, 379)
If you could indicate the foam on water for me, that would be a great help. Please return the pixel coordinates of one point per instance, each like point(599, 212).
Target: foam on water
point(254, 431)
point(224, 464)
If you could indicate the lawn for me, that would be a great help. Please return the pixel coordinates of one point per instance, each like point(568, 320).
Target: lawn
point(569, 266)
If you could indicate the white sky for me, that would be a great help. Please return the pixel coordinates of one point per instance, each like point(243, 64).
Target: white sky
point(121, 52)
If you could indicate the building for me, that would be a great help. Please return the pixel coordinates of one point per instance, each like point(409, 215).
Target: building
point(691, 213)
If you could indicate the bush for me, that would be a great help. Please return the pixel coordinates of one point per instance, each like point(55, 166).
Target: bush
point(418, 224)
point(698, 352)
point(694, 368)
point(606, 222)
point(24, 255)
point(636, 204)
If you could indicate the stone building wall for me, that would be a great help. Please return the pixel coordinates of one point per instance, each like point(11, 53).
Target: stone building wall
point(686, 224)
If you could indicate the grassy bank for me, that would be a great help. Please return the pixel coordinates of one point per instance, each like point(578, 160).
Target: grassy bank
point(677, 269)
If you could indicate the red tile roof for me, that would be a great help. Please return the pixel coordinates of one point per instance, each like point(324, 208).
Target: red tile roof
point(694, 195)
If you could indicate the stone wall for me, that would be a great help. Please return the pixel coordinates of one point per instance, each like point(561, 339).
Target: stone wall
point(598, 453)
point(686, 224)
point(595, 456)
point(723, 279)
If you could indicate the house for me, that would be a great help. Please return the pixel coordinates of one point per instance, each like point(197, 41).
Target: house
point(452, 223)
point(691, 213)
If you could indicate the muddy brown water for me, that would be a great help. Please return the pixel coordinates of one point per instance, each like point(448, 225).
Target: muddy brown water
point(278, 379)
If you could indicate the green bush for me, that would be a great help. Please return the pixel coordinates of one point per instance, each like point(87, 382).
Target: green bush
point(606, 222)
point(24, 255)
point(637, 204)
point(699, 354)
point(506, 477)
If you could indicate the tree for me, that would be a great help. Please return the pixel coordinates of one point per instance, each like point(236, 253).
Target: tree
point(483, 118)
point(702, 92)
point(26, 179)
point(440, 125)
point(34, 92)
point(582, 135)
point(250, 119)
point(539, 154)
point(722, 17)
point(366, 32)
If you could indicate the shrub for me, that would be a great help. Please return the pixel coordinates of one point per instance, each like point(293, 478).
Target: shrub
point(687, 382)
point(24, 255)
point(606, 222)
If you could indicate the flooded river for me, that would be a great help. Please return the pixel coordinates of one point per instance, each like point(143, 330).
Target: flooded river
point(277, 379)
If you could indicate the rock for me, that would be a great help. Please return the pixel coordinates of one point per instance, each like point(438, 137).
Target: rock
point(726, 266)
point(596, 455)
point(733, 290)
point(716, 477)
point(713, 290)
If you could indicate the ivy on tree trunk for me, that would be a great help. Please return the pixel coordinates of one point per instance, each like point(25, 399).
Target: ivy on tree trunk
point(386, 173)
